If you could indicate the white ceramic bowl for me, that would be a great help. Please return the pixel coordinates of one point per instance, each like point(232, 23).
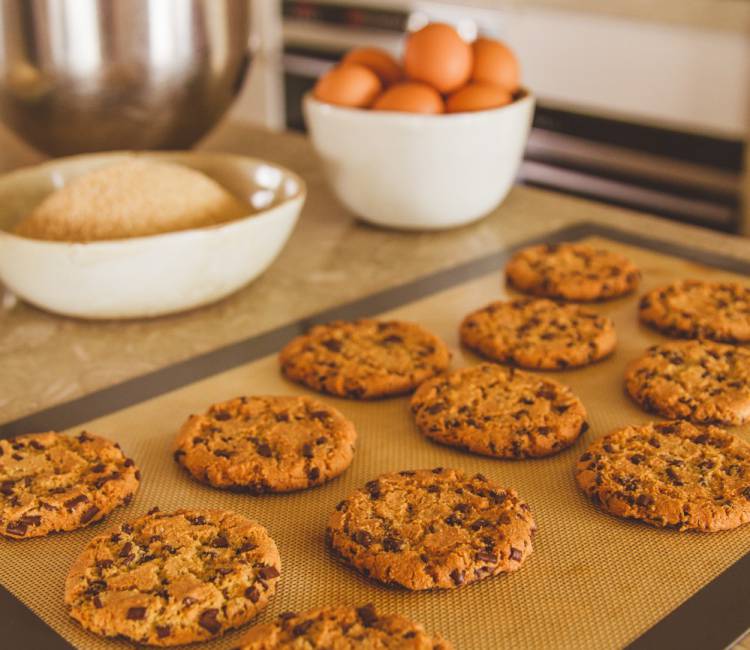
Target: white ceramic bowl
point(420, 172)
point(153, 275)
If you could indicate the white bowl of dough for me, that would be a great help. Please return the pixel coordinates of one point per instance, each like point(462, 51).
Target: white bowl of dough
point(143, 275)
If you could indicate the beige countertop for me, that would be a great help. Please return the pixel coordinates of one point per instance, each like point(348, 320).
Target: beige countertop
point(330, 259)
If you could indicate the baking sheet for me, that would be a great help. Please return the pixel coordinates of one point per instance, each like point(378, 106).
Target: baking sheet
point(594, 581)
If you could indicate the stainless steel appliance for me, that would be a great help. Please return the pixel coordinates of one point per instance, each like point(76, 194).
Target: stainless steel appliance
point(90, 75)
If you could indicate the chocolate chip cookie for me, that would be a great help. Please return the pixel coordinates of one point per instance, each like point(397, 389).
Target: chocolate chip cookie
point(429, 529)
point(171, 578)
point(52, 482)
point(671, 474)
point(266, 444)
point(498, 411)
point(364, 359)
point(695, 309)
point(342, 628)
point(571, 271)
point(701, 381)
point(539, 333)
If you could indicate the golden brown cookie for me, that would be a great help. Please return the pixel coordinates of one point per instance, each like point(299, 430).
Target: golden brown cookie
point(341, 628)
point(701, 381)
point(671, 474)
point(364, 359)
point(572, 271)
point(52, 482)
point(539, 333)
point(266, 444)
point(695, 309)
point(498, 411)
point(171, 578)
point(429, 529)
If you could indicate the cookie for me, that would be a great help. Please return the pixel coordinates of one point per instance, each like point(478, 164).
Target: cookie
point(266, 444)
point(342, 628)
point(429, 529)
point(364, 359)
point(701, 381)
point(539, 333)
point(171, 578)
point(570, 271)
point(672, 474)
point(498, 411)
point(699, 310)
point(52, 482)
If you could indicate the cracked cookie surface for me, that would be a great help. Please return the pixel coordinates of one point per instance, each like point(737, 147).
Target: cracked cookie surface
point(695, 309)
point(670, 474)
point(427, 529)
point(539, 333)
point(364, 359)
point(701, 381)
point(342, 628)
point(171, 578)
point(266, 444)
point(571, 271)
point(52, 482)
point(498, 411)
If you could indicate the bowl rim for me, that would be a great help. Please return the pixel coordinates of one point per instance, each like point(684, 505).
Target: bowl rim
point(399, 117)
point(262, 215)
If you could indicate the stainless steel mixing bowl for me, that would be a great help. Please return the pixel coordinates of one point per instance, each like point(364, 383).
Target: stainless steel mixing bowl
point(93, 75)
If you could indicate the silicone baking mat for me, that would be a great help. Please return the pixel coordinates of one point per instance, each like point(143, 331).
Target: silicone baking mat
point(593, 581)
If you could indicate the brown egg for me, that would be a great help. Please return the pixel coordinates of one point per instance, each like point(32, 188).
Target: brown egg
point(410, 97)
point(478, 97)
point(495, 63)
point(379, 61)
point(348, 85)
point(437, 55)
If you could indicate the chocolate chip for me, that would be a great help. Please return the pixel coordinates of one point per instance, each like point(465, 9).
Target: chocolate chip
point(321, 440)
point(223, 453)
point(515, 554)
point(268, 572)
point(480, 523)
point(332, 344)
point(313, 473)
point(163, 631)
point(207, 621)
point(367, 615)
point(392, 338)
point(136, 613)
point(483, 556)
point(197, 521)
point(129, 462)
point(637, 459)
point(644, 500)
point(16, 456)
point(126, 549)
point(307, 450)
point(458, 577)
point(373, 487)
point(320, 415)
point(98, 602)
point(363, 538)
point(6, 488)
point(220, 541)
point(281, 417)
point(392, 544)
point(247, 546)
point(72, 503)
point(285, 616)
point(89, 514)
point(264, 450)
point(98, 468)
point(252, 594)
point(222, 415)
point(302, 627)
point(84, 437)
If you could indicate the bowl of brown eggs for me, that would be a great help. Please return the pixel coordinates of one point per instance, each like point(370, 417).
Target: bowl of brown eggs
point(429, 142)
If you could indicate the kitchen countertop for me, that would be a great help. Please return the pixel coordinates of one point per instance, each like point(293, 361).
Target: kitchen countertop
point(331, 258)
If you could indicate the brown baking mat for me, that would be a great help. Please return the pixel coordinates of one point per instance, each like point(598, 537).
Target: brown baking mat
point(594, 581)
